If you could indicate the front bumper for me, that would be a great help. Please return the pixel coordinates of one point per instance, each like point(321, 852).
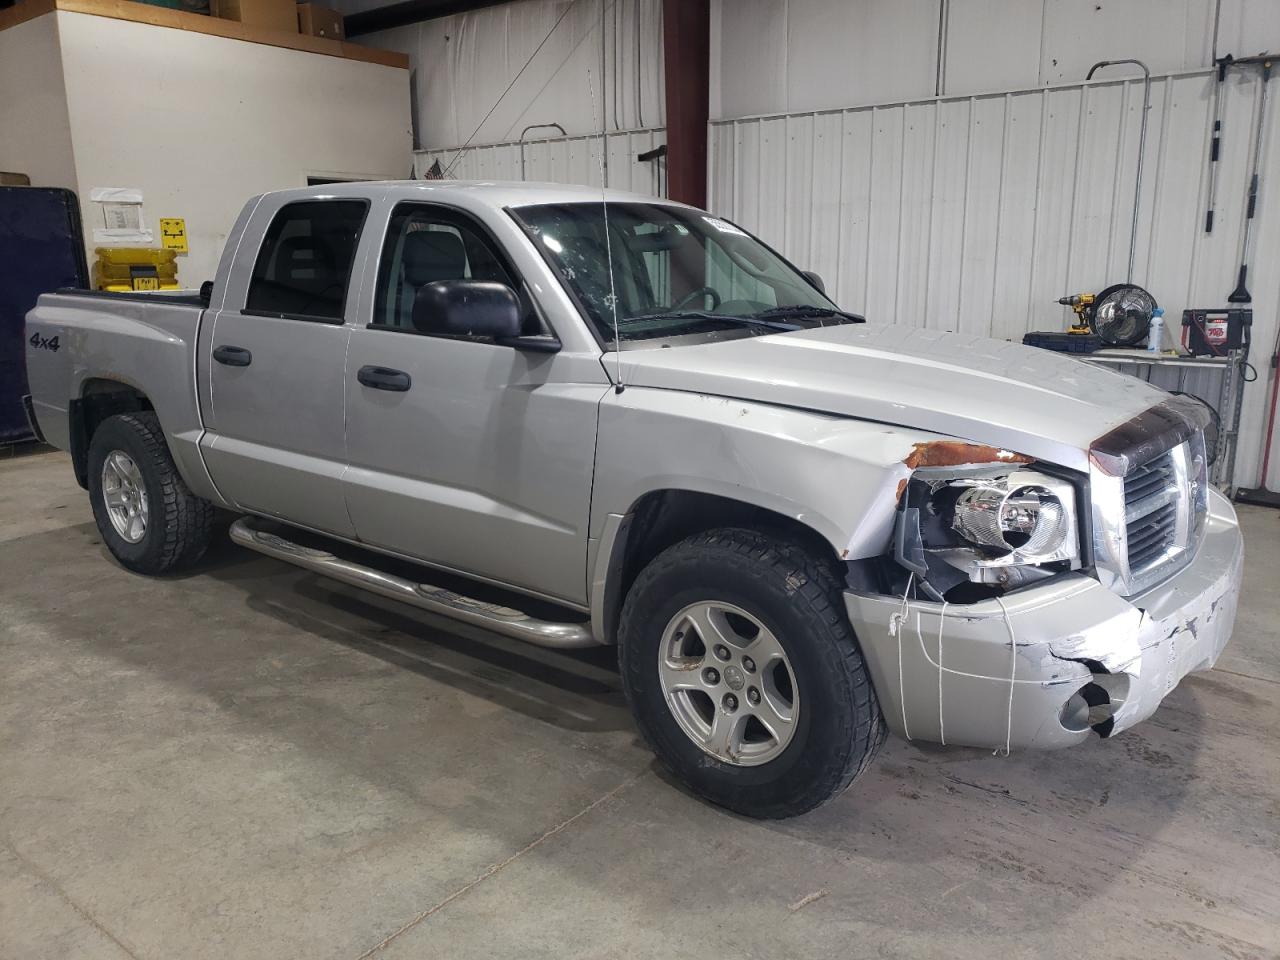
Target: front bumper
point(1004, 672)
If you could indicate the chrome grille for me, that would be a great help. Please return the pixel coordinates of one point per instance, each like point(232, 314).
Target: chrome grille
point(1149, 492)
point(1151, 495)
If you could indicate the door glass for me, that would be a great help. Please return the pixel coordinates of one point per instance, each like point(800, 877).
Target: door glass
point(304, 267)
point(424, 246)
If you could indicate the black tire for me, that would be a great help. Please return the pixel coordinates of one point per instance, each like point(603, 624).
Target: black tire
point(179, 524)
point(839, 727)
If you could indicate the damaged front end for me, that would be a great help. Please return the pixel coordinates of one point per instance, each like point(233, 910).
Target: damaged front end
point(972, 531)
point(1008, 615)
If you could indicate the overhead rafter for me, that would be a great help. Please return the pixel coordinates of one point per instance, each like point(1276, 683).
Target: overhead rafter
point(409, 11)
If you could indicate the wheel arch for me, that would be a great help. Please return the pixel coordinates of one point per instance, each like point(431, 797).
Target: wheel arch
point(662, 518)
point(98, 399)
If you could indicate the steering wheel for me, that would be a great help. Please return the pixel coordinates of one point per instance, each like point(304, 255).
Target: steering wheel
point(694, 295)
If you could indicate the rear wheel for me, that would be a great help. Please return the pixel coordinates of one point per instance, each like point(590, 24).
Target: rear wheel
point(744, 675)
point(148, 518)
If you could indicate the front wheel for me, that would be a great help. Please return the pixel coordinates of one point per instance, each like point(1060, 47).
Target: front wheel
point(744, 674)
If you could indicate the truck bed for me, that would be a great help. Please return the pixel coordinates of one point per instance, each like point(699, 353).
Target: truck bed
point(81, 344)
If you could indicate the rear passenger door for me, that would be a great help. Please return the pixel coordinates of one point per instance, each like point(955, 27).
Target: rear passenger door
point(275, 441)
point(465, 453)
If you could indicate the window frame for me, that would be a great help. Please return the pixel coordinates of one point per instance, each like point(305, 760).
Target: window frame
point(338, 321)
point(459, 219)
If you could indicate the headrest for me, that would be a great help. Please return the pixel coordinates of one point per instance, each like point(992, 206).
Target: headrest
point(431, 255)
point(299, 258)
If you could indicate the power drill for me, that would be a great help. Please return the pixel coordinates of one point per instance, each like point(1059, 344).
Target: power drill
point(1082, 304)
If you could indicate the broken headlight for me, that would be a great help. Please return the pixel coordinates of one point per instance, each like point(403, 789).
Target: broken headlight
point(998, 526)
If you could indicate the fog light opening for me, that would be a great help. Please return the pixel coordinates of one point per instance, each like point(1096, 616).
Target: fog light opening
point(1089, 707)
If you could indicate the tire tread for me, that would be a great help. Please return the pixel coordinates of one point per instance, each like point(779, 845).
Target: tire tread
point(812, 582)
point(187, 521)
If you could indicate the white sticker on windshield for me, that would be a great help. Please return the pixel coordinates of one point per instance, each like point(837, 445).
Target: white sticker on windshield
point(724, 226)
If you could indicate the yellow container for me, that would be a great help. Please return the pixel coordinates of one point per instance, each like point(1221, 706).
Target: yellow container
point(126, 286)
point(136, 256)
point(122, 271)
point(125, 269)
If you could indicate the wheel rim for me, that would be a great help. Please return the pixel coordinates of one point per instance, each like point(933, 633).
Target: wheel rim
point(728, 683)
point(125, 496)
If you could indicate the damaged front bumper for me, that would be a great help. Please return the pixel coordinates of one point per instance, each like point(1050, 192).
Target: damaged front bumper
point(1048, 665)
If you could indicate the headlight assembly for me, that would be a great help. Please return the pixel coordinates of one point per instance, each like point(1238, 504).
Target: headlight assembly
point(992, 525)
point(1017, 517)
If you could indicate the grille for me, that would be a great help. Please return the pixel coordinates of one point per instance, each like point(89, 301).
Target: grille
point(1151, 494)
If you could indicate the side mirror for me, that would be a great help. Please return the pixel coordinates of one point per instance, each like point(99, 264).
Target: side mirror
point(815, 281)
point(467, 308)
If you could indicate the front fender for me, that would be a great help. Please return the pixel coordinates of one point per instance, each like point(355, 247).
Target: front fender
point(839, 476)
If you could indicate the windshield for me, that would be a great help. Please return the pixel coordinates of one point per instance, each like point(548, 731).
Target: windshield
point(675, 271)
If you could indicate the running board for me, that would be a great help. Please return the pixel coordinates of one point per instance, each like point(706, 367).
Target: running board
point(491, 616)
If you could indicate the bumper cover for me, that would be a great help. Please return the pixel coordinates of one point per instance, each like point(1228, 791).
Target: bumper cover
point(1001, 672)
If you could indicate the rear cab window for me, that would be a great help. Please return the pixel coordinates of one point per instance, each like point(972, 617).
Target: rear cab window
point(303, 269)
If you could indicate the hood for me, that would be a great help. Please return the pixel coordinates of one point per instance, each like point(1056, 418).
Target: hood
point(1025, 399)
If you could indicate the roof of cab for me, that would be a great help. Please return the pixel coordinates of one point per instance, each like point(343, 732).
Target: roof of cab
point(496, 193)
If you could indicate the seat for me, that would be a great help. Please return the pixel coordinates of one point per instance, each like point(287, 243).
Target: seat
point(301, 277)
point(428, 256)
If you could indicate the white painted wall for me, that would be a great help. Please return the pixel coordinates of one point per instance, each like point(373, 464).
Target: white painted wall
point(201, 123)
point(790, 56)
point(35, 133)
point(462, 65)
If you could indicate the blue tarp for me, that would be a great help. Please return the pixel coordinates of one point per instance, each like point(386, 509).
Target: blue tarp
point(41, 249)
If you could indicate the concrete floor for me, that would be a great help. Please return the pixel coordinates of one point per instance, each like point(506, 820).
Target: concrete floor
point(253, 762)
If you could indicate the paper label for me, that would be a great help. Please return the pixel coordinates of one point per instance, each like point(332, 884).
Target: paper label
point(724, 226)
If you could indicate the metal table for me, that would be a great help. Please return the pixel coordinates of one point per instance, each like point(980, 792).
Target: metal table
point(1194, 375)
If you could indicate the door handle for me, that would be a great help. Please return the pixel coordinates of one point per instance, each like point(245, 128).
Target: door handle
point(233, 356)
point(384, 378)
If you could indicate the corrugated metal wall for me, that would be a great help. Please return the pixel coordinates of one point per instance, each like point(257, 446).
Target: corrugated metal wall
point(461, 66)
point(558, 160)
point(977, 213)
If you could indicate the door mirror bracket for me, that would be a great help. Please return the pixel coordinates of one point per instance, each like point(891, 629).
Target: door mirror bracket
point(541, 343)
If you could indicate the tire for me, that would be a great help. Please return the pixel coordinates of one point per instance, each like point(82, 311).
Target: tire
point(747, 581)
point(178, 525)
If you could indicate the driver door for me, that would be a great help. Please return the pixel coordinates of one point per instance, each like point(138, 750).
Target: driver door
point(463, 453)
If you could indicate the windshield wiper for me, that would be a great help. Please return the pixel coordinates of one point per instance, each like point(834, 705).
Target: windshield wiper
point(750, 321)
point(805, 310)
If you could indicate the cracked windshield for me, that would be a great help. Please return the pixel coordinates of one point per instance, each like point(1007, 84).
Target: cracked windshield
point(676, 273)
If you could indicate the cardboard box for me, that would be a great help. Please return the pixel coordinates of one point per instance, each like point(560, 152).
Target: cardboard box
point(264, 14)
point(317, 21)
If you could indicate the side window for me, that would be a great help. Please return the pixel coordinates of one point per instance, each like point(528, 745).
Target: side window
point(304, 267)
point(425, 245)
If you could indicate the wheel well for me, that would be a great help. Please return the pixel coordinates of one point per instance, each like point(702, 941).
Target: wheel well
point(662, 518)
point(99, 399)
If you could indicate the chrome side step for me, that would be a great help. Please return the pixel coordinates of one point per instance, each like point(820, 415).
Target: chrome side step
point(491, 616)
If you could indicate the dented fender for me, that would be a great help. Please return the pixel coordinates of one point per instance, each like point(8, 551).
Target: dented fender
point(839, 476)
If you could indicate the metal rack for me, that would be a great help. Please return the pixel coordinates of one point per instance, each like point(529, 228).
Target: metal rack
point(1194, 375)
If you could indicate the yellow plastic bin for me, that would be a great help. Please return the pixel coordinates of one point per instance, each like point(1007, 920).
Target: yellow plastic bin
point(122, 269)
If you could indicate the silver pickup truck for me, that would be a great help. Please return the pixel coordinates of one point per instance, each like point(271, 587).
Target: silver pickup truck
point(580, 418)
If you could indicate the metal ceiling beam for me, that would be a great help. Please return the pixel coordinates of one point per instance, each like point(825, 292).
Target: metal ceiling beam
point(409, 11)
